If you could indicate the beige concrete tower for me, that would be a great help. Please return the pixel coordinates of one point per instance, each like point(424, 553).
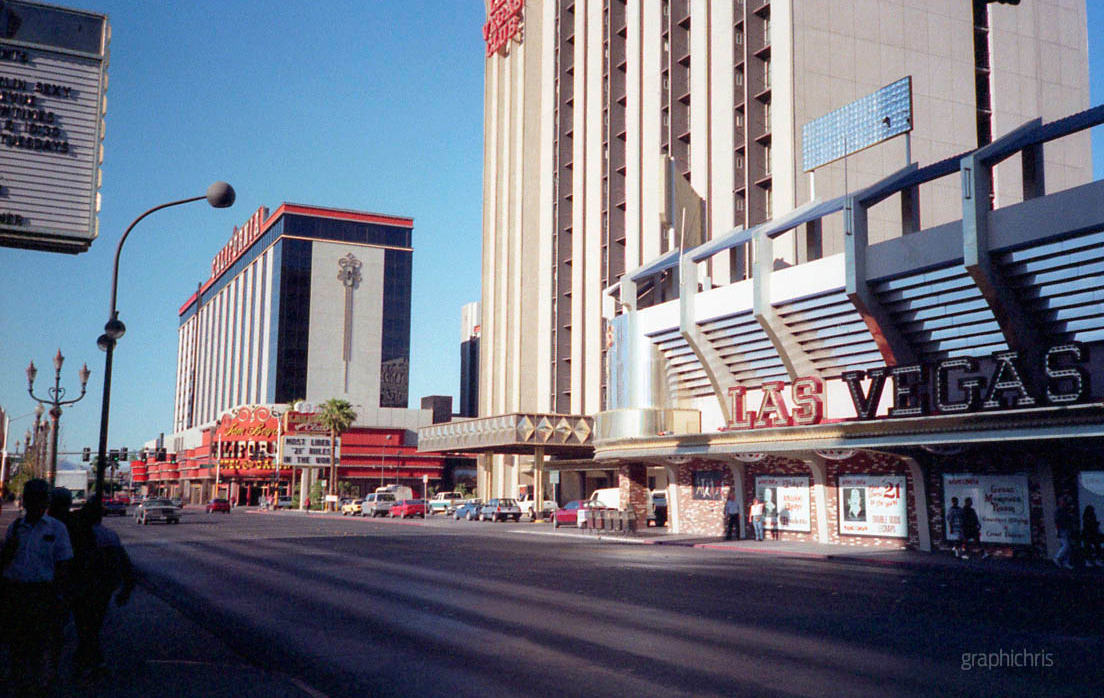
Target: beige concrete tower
point(584, 100)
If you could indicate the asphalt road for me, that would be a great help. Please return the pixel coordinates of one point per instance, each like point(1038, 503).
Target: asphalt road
point(378, 608)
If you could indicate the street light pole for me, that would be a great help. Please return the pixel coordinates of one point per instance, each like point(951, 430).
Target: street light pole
point(219, 195)
point(56, 402)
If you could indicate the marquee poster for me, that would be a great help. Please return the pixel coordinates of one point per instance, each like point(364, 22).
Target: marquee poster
point(785, 502)
point(873, 505)
point(1001, 501)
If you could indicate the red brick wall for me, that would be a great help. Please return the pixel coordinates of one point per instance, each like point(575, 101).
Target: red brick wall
point(633, 482)
point(700, 517)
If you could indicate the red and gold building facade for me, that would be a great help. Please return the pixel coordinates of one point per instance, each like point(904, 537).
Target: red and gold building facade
point(240, 457)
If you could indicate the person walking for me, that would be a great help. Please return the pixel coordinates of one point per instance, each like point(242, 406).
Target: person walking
point(1065, 522)
point(971, 530)
point(755, 516)
point(101, 566)
point(34, 563)
point(61, 504)
point(1090, 537)
point(732, 514)
point(954, 527)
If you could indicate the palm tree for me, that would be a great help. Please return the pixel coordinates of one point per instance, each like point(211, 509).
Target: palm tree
point(337, 416)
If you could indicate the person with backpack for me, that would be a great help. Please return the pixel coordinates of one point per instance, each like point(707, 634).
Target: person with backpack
point(102, 567)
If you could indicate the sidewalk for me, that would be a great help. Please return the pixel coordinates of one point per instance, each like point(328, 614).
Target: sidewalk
point(154, 650)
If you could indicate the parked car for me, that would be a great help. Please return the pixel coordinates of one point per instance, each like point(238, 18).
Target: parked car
point(500, 510)
point(408, 507)
point(525, 503)
point(220, 504)
point(351, 507)
point(114, 507)
point(284, 503)
point(574, 513)
point(157, 510)
point(468, 509)
point(455, 504)
point(441, 501)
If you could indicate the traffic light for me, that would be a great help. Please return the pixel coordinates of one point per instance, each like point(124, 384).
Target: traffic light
point(113, 454)
point(123, 453)
point(86, 454)
point(160, 455)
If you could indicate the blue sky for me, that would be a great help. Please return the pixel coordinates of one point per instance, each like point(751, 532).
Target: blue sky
point(373, 106)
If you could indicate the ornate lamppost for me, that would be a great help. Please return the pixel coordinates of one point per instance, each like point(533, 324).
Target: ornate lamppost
point(56, 402)
point(219, 195)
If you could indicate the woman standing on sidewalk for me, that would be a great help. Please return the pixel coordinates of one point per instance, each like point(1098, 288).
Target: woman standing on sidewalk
point(755, 516)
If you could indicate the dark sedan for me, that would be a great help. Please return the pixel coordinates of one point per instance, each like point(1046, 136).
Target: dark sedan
point(114, 507)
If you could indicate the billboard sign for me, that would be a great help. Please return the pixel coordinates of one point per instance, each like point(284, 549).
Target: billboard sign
point(785, 502)
point(853, 127)
point(53, 75)
point(1002, 503)
point(873, 505)
point(305, 451)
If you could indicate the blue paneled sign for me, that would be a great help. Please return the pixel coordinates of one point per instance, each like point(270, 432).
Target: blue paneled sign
point(860, 124)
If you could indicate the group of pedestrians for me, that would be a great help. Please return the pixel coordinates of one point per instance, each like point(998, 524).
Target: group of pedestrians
point(55, 564)
point(964, 529)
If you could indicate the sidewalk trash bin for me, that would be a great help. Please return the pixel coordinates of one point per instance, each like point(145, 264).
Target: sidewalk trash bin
point(588, 520)
point(630, 521)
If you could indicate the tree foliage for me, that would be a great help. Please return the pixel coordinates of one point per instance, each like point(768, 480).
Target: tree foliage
point(337, 416)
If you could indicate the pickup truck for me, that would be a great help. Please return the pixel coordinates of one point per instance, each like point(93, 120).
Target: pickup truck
point(525, 503)
point(441, 501)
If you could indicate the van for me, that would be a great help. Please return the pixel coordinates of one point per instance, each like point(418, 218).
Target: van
point(400, 491)
point(610, 497)
point(378, 504)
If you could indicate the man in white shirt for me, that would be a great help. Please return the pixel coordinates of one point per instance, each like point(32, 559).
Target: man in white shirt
point(34, 559)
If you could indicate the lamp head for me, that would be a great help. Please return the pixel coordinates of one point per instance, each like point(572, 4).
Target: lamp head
point(84, 373)
point(104, 342)
point(58, 360)
point(31, 373)
point(114, 328)
point(221, 195)
point(39, 410)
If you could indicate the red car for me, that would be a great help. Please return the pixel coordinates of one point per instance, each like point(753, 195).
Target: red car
point(571, 514)
point(408, 507)
point(222, 505)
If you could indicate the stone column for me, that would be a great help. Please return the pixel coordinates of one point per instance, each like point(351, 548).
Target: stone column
point(633, 482)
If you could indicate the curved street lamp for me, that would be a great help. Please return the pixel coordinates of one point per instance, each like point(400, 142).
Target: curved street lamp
point(56, 402)
point(219, 195)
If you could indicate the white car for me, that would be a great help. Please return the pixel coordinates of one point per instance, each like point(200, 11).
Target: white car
point(525, 503)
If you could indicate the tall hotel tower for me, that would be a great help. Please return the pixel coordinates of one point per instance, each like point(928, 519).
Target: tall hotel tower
point(306, 303)
point(586, 99)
